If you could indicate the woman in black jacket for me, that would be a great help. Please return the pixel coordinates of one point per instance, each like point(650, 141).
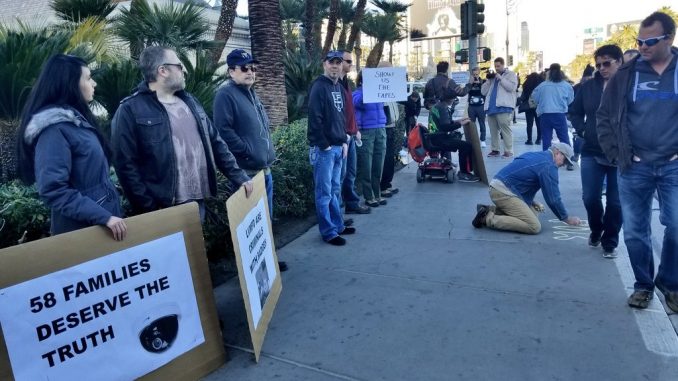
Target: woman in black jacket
point(531, 82)
point(61, 150)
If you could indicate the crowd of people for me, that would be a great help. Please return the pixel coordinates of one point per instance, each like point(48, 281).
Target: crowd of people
point(166, 150)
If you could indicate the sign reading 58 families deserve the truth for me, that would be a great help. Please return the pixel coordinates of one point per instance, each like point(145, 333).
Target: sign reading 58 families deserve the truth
point(119, 316)
point(384, 84)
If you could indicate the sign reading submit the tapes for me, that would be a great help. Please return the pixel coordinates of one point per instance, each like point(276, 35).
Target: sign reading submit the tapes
point(119, 316)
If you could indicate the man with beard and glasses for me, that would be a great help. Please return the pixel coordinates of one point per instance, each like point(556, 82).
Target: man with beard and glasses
point(166, 150)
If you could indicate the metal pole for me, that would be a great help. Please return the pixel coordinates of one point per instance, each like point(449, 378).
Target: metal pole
point(472, 52)
point(507, 32)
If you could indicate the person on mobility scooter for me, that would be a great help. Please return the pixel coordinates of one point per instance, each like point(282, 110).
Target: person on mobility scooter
point(443, 137)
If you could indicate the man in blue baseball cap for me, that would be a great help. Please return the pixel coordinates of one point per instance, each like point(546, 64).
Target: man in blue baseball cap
point(242, 122)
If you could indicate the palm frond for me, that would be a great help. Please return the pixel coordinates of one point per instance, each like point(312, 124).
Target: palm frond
point(78, 10)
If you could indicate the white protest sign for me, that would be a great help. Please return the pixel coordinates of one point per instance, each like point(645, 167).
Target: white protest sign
point(117, 317)
point(460, 77)
point(257, 257)
point(384, 84)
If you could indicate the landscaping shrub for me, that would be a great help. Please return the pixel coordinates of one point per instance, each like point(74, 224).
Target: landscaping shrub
point(23, 217)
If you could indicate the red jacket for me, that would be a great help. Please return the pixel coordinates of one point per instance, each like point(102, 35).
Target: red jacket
point(351, 126)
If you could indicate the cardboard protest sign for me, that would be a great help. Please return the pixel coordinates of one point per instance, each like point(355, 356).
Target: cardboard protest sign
point(471, 136)
point(255, 255)
point(384, 84)
point(82, 303)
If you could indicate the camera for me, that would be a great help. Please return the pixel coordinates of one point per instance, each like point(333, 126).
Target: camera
point(158, 330)
point(490, 74)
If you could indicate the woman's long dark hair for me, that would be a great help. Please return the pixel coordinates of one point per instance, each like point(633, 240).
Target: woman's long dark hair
point(555, 74)
point(57, 86)
point(531, 82)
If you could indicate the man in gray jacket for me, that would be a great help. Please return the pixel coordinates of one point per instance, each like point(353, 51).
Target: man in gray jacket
point(242, 122)
point(500, 99)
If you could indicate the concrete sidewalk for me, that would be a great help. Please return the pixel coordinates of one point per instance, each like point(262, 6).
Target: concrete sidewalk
point(419, 294)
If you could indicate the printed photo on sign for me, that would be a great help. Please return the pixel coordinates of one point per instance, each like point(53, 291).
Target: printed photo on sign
point(256, 251)
point(116, 317)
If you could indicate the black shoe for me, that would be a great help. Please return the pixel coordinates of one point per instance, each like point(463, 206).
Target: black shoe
point(386, 193)
point(594, 239)
point(640, 299)
point(282, 266)
point(468, 178)
point(394, 190)
point(570, 167)
point(609, 252)
point(529, 143)
point(381, 201)
point(348, 222)
point(372, 203)
point(361, 209)
point(337, 241)
point(347, 230)
point(538, 141)
point(479, 220)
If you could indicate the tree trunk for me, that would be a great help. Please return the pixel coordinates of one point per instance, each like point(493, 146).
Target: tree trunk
point(375, 55)
point(358, 55)
point(331, 26)
point(309, 24)
point(341, 44)
point(224, 27)
point(355, 25)
point(268, 48)
point(390, 52)
point(8, 150)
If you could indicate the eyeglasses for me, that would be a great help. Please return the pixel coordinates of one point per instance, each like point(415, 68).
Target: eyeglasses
point(650, 41)
point(180, 66)
point(605, 64)
point(245, 69)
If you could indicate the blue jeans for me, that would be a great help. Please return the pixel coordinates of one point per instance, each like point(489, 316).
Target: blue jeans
point(348, 173)
point(553, 122)
point(636, 188)
point(605, 223)
point(269, 193)
point(327, 178)
point(478, 112)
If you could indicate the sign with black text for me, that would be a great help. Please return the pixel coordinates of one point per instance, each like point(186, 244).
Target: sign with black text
point(384, 84)
point(116, 317)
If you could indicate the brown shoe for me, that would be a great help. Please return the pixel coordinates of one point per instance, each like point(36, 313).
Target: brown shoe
point(493, 154)
point(507, 154)
point(479, 220)
point(640, 299)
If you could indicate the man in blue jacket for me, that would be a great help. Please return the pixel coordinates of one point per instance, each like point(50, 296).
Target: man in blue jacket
point(328, 147)
point(166, 150)
point(513, 189)
point(242, 122)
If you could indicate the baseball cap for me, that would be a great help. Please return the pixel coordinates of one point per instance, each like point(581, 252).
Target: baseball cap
point(239, 57)
point(566, 150)
point(333, 54)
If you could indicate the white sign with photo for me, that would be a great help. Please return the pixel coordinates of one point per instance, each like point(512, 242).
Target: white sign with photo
point(384, 84)
point(258, 263)
point(116, 317)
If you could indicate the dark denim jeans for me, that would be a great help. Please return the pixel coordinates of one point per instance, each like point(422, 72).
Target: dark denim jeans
point(604, 222)
point(348, 172)
point(269, 193)
point(531, 119)
point(327, 178)
point(636, 188)
point(478, 112)
point(550, 122)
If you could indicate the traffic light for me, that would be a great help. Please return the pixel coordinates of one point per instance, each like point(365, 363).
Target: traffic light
point(461, 56)
point(510, 60)
point(465, 21)
point(476, 17)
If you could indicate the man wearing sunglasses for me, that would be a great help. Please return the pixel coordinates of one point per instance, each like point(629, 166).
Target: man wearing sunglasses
point(242, 122)
point(605, 223)
point(166, 151)
point(637, 130)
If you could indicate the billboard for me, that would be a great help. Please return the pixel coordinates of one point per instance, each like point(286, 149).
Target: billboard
point(435, 18)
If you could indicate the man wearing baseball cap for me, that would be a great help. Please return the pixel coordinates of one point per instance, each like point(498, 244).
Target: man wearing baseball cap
point(513, 189)
point(242, 122)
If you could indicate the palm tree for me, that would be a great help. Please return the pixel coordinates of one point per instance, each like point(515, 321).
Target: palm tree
point(355, 27)
point(178, 26)
point(383, 27)
point(268, 48)
point(224, 27)
point(396, 8)
point(291, 12)
point(78, 10)
point(346, 14)
point(331, 26)
point(310, 11)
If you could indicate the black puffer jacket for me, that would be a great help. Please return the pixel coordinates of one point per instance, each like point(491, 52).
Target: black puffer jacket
point(144, 156)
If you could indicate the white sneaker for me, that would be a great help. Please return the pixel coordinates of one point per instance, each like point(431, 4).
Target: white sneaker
point(483, 145)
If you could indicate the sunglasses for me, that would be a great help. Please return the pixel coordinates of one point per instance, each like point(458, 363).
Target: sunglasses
point(650, 41)
point(245, 69)
point(180, 66)
point(605, 64)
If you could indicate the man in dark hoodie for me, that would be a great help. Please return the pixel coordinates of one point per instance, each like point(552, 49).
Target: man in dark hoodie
point(605, 223)
point(637, 125)
point(242, 122)
point(328, 147)
point(165, 148)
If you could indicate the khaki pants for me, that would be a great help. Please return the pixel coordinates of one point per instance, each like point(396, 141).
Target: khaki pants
point(512, 214)
point(501, 123)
